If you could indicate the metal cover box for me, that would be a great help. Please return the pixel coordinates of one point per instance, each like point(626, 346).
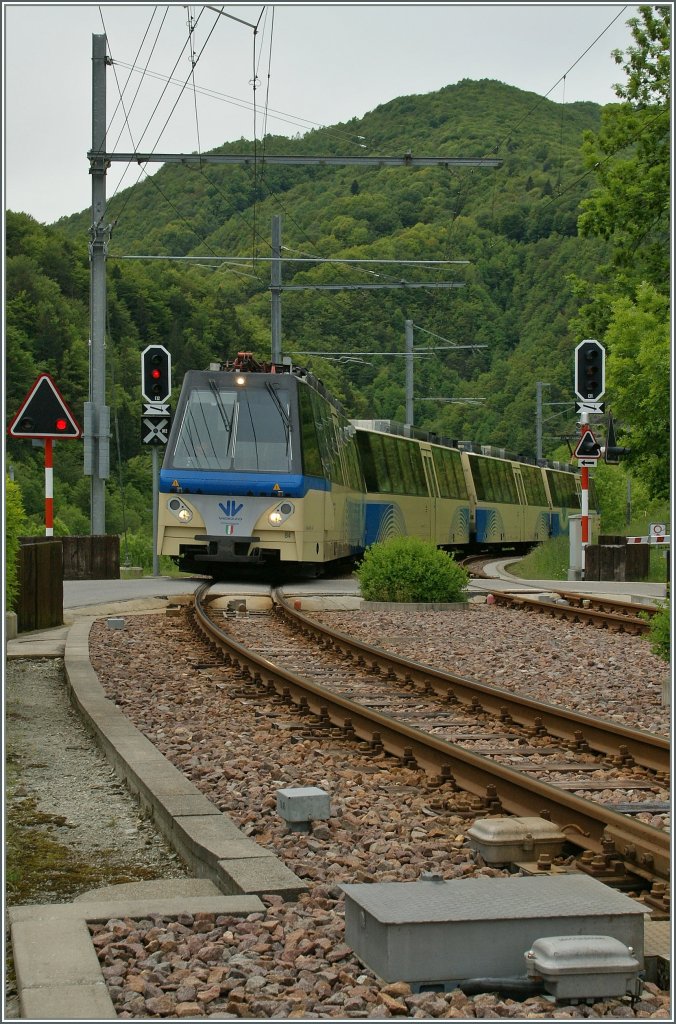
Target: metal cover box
point(303, 803)
point(504, 840)
point(440, 931)
point(583, 966)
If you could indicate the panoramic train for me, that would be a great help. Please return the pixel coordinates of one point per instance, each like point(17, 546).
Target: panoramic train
point(263, 469)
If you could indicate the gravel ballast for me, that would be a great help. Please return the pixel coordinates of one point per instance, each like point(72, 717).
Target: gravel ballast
point(239, 747)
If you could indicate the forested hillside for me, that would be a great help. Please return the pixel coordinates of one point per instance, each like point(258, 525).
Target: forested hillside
point(515, 225)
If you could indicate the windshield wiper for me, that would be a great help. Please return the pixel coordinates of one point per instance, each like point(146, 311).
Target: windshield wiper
point(282, 411)
point(227, 420)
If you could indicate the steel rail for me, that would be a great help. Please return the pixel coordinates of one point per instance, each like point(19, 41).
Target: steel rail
point(614, 739)
point(606, 603)
point(576, 612)
point(644, 850)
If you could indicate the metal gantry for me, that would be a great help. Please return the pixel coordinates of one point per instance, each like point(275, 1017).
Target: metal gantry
point(97, 413)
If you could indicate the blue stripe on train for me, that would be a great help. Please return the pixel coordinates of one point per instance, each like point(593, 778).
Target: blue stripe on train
point(214, 482)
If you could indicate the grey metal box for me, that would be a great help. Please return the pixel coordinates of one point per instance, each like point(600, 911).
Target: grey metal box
point(583, 966)
point(303, 803)
point(439, 931)
point(504, 840)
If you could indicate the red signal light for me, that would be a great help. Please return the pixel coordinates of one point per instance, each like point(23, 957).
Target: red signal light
point(61, 424)
point(155, 374)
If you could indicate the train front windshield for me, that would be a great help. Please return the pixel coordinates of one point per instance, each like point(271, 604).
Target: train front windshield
point(246, 429)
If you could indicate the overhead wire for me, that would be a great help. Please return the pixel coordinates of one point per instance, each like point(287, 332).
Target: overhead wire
point(234, 101)
point(513, 126)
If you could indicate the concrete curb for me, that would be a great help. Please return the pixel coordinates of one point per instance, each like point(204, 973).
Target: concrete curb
point(57, 970)
point(207, 840)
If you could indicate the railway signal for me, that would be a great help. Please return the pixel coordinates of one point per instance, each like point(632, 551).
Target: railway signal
point(612, 453)
point(590, 370)
point(156, 374)
point(44, 415)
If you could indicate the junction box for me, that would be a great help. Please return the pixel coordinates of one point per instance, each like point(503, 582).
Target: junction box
point(506, 840)
point(584, 967)
point(436, 932)
point(302, 805)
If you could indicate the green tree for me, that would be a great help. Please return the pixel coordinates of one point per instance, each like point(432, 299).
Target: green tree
point(630, 156)
point(638, 374)
point(14, 524)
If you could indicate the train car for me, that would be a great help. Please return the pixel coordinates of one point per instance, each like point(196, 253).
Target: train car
point(413, 486)
point(510, 504)
point(263, 469)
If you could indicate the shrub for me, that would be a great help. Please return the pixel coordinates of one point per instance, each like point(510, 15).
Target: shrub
point(660, 632)
point(14, 521)
point(410, 569)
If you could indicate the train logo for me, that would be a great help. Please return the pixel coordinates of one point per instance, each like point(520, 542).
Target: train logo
point(231, 508)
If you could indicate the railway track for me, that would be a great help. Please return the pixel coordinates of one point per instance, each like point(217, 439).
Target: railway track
point(617, 616)
point(590, 609)
point(409, 710)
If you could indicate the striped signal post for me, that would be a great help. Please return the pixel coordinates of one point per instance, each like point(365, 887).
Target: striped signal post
point(590, 385)
point(49, 489)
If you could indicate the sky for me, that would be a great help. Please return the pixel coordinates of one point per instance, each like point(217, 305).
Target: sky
point(312, 65)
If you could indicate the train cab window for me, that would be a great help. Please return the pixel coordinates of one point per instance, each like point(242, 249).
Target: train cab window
point(225, 429)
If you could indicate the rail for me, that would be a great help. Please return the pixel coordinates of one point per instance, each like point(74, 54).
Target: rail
point(643, 850)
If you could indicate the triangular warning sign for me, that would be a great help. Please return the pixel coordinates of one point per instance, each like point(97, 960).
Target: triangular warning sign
point(588, 447)
point(44, 413)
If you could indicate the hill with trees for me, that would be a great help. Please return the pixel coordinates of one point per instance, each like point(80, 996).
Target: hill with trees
point(530, 275)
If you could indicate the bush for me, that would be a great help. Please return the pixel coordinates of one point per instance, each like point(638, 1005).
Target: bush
point(14, 522)
point(409, 569)
point(660, 632)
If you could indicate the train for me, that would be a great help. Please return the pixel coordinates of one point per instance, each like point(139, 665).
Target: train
point(264, 470)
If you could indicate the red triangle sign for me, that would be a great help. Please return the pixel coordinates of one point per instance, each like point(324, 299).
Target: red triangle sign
point(44, 413)
point(587, 447)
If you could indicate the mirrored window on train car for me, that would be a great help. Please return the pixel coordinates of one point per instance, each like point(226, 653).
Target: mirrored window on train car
point(383, 481)
point(563, 489)
point(312, 461)
point(367, 459)
point(534, 485)
point(448, 465)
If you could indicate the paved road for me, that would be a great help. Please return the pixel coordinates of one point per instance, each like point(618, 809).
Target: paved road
point(85, 593)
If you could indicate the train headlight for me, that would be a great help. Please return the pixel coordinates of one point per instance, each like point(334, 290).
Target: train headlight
point(180, 510)
point(280, 514)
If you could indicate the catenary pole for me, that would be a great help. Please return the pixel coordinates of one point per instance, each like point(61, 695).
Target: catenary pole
point(409, 372)
point(97, 414)
point(275, 289)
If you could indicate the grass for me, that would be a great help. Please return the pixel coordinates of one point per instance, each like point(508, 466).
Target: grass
point(39, 868)
point(549, 561)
